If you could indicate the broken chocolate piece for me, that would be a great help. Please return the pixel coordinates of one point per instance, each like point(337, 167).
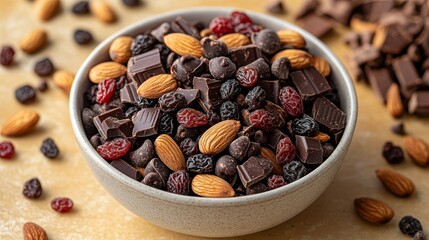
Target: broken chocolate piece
point(180, 25)
point(189, 94)
point(144, 66)
point(112, 127)
point(310, 83)
point(392, 39)
point(406, 74)
point(129, 94)
point(340, 11)
point(209, 92)
point(328, 115)
point(272, 87)
point(274, 137)
point(276, 7)
point(419, 103)
point(254, 170)
point(316, 25)
point(380, 81)
point(161, 31)
point(126, 169)
point(309, 150)
point(306, 7)
point(373, 10)
point(242, 56)
point(98, 120)
point(146, 122)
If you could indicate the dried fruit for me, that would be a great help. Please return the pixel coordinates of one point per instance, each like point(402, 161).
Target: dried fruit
point(191, 118)
point(373, 210)
point(80, 8)
point(106, 70)
point(49, 148)
point(20, 123)
point(82, 37)
point(321, 65)
point(229, 110)
point(62, 204)
point(393, 154)
point(6, 55)
point(63, 80)
point(32, 188)
point(183, 44)
point(218, 137)
point(235, 40)
point(44, 67)
point(394, 101)
point(142, 43)
point(221, 25)
point(299, 59)
point(247, 29)
point(106, 89)
point(417, 149)
point(114, 149)
point(120, 49)
point(247, 76)
point(33, 40)
point(321, 136)
point(7, 151)
point(199, 163)
point(188, 147)
point(33, 231)
point(275, 181)
point(179, 182)
point(46, 9)
point(169, 152)
point(101, 10)
point(291, 38)
point(166, 124)
point(395, 182)
point(262, 119)
point(131, 3)
point(171, 102)
point(293, 171)
point(25, 94)
point(285, 151)
point(207, 185)
point(410, 225)
point(255, 98)
point(238, 17)
point(291, 101)
point(230, 89)
point(305, 126)
point(157, 85)
point(419, 235)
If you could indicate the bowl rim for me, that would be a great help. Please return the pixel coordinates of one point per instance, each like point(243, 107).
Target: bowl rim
point(85, 145)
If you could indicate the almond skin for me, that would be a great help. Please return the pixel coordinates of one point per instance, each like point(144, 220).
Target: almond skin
point(157, 86)
point(321, 136)
point(33, 231)
point(46, 9)
point(235, 40)
point(270, 155)
point(63, 80)
point(218, 137)
point(120, 49)
point(183, 44)
point(106, 70)
point(394, 102)
point(20, 123)
point(207, 185)
point(373, 210)
point(321, 65)
point(395, 182)
point(101, 10)
point(417, 149)
point(169, 152)
point(299, 59)
point(33, 41)
point(292, 38)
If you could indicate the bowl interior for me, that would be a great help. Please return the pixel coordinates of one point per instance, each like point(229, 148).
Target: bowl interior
point(342, 80)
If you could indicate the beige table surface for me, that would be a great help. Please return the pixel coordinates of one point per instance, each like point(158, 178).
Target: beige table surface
point(98, 216)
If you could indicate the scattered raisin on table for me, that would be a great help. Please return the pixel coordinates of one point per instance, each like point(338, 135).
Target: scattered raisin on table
point(230, 89)
point(420, 235)
point(192, 118)
point(199, 163)
point(25, 94)
point(275, 181)
point(172, 101)
point(166, 124)
point(7, 151)
point(43, 86)
point(179, 182)
point(114, 149)
point(82, 37)
point(305, 126)
point(32, 188)
point(262, 119)
point(293, 171)
point(6, 55)
point(291, 101)
point(410, 225)
point(49, 148)
point(131, 3)
point(62, 204)
point(80, 8)
point(255, 98)
point(106, 89)
point(229, 110)
point(142, 43)
point(393, 154)
point(44, 67)
point(285, 151)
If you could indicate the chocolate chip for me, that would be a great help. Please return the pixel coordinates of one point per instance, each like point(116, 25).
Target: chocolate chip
point(267, 40)
point(221, 67)
point(238, 148)
point(213, 48)
point(43, 86)
point(157, 166)
point(398, 128)
point(142, 155)
point(154, 180)
point(44, 67)
point(25, 94)
point(186, 68)
point(82, 37)
point(87, 121)
point(281, 68)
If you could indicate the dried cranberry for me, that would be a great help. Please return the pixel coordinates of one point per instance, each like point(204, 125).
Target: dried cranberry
point(25, 94)
point(239, 18)
point(32, 188)
point(192, 118)
point(6, 55)
point(247, 29)
point(106, 89)
point(221, 25)
point(44, 67)
point(62, 204)
point(199, 163)
point(262, 119)
point(49, 148)
point(179, 182)
point(255, 98)
point(294, 170)
point(285, 151)
point(114, 149)
point(172, 101)
point(7, 150)
point(247, 76)
point(291, 101)
point(275, 181)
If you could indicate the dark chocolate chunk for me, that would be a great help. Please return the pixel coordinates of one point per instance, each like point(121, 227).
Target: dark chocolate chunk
point(238, 148)
point(398, 128)
point(213, 48)
point(142, 155)
point(274, 137)
point(157, 166)
point(242, 56)
point(422, 39)
point(144, 66)
point(316, 25)
point(254, 170)
point(419, 103)
point(328, 115)
point(257, 188)
point(209, 92)
point(185, 68)
point(190, 94)
point(340, 11)
point(154, 180)
point(180, 25)
point(87, 121)
point(267, 40)
point(221, 68)
point(264, 71)
point(366, 53)
point(272, 87)
point(112, 127)
point(226, 168)
point(281, 68)
point(392, 39)
point(129, 94)
point(126, 169)
point(98, 120)
point(161, 31)
point(276, 7)
point(380, 80)
point(406, 74)
point(310, 83)
point(337, 136)
point(146, 122)
point(306, 7)
point(254, 149)
point(309, 150)
point(373, 10)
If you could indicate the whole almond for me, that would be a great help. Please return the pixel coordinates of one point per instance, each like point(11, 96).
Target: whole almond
point(63, 80)
point(417, 149)
point(20, 123)
point(218, 137)
point(183, 44)
point(205, 32)
point(270, 155)
point(120, 49)
point(169, 153)
point(207, 185)
point(157, 86)
point(291, 38)
point(395, 182)
point(373, 210)
point(235, 40)
point(321, 136)
point(34, 40)
point(321, 65)
point(106, 70)
point(299, 59)
point(393, 101)
point(46, 9)
point(101, 10)
point(33, 231)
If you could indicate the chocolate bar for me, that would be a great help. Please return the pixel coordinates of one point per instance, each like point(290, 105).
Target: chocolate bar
point(310, 83)
point(254, 170)
point(328, 115)
point(146, 122)
point(309, 150)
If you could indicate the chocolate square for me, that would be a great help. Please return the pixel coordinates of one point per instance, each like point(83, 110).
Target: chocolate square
point(144, 66)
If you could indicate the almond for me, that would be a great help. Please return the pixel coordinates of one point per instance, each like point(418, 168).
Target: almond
point(101, 10)
point(270, 155)
point(46, 9)
point(157, 86)
point(417, 149)
point(183, 44)
point(394, 102)
point(299, 59)
point(120, 49)
point(395, 182)
point(359, 25)
point(321, 136)
point(205, 32)
point(169, 153)
point(33, 231)
point(291, 38)
point(106, 70)
point(235, 40)
point(34, 40)
point(63, 80)
point(218, 137)
point(20, 123)
point(321, 65)
point(373, 210)
point(207, 185)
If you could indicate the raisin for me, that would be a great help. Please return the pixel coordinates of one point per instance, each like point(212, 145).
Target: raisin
point(25, 94)
point(293, 171)
point(91, 94)
point(285, 151)
point(393, 154)
point(213, 118)
point(192, 118)
point(247, 29)
point(247, 76)
point(256, 188)
point(291, 101)
point(262, 119)
point(188, 147)
point(142, 43)
point(43, 86)
point(305, 126)
point(410, 225)
point(238, 17)
point(184, 132)
point(229, 110)
point(121, 82)
point(146, 103)
point(106, 89)
point(275, 181)
point(6, 55)
point(199, 163)
point(131, 3)
point(44, 67)
point(172, 101)
point(164, 51)
point(82, 37)
point(420, 235)
point(179, 182)
point(7, 151)
point(32, 188)
point(166, 124)
point(62, 204)
point(49, 148)
point(230, 89)
point(398, 128)
point(80, 8)
point(114, 149)
point(255, 98)
point(221, 25)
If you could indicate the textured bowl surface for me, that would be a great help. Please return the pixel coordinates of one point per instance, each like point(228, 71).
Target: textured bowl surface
point(205, 216)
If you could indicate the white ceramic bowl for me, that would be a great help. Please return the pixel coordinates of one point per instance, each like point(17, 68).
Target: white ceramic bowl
point(208, 216)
